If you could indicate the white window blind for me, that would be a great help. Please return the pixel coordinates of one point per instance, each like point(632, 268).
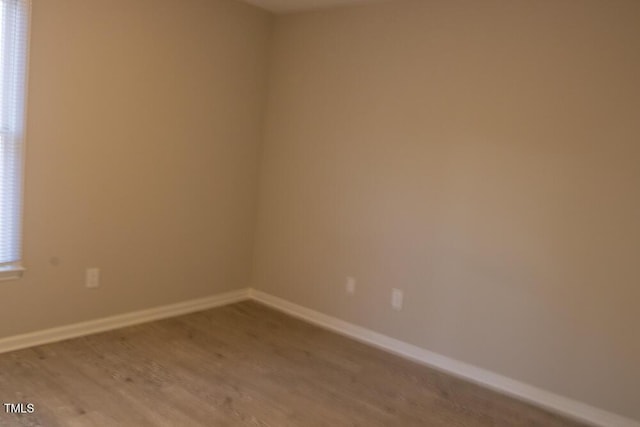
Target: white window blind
point(14, 19)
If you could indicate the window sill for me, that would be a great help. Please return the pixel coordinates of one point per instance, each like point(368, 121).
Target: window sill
point(11, 273)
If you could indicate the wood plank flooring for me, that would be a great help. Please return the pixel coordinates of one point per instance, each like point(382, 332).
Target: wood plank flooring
point(241, 365)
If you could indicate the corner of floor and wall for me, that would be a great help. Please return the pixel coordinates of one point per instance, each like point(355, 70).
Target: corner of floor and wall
point(480, 157)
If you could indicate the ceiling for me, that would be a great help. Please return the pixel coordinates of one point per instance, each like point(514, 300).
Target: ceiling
point(283, 6)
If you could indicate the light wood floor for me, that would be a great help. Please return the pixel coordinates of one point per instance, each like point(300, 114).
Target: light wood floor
point(241, 365)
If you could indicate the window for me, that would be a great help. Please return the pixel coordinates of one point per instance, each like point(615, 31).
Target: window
point(14, 19)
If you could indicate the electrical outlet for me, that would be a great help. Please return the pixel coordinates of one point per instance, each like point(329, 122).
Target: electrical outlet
point(351, 285)
point(92, 278)
point(397, 297)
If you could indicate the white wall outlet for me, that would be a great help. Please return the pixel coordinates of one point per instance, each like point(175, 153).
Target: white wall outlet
point(397, 297)
point(92, 278)
point(351, 285)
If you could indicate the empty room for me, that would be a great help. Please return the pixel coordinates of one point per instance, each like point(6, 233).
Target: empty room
point(311, 213)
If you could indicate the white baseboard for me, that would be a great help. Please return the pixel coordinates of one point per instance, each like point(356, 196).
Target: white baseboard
point(545, 399)
point(114, 322)
point(542, 398)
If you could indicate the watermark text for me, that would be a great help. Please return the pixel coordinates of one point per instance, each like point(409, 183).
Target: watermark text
point(19, 408)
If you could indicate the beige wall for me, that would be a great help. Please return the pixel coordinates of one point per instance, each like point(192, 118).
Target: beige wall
point(144, 126)
point(483, 157)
